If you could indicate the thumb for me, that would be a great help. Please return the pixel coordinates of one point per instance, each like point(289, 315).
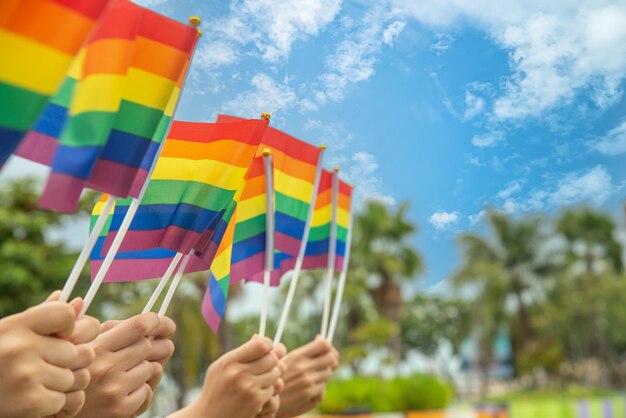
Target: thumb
point(51, 318)
point(54, 296)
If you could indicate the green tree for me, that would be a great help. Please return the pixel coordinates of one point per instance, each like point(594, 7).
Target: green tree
point(382, 250)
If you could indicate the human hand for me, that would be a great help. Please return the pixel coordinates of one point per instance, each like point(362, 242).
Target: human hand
point(121, 369)
point(308, 370)
point(86, 329)
point(239, 384)
point(36, 361)
point(271, 407)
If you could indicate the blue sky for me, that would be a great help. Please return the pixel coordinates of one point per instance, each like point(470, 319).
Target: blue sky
point(452, 105)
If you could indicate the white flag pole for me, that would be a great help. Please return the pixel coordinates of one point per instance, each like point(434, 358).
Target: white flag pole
point(342, 282)
point(332, 250)
point(300, 259)
point(71, 281)
point(166, 278)
point(174, 285)
point(134, 205)
point(269, 238)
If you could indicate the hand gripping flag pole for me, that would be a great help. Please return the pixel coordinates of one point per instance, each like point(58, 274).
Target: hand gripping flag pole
point(332, 252)
point(132, 209)
point(269, 238)
point(342, 282)
point(298, 267)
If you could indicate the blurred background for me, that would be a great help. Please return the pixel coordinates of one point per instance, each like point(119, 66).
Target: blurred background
point(532, 317)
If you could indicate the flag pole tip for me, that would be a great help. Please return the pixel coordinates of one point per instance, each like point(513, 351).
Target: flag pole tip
point(336, 169)
point(267, 152)
point(195, 21)
point(323, 146)
point(266, 115)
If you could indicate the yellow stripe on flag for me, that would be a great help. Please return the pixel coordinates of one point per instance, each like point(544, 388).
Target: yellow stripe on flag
point(292, 186)
point(148, 89)
point(24, 59)
point(251, 208)
point(98, 93)
point(211, 172)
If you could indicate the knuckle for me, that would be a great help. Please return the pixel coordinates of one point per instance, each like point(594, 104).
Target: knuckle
point(138, 326)
point(82, 378)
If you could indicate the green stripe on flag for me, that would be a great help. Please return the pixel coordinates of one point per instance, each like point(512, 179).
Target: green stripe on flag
point(19, 108)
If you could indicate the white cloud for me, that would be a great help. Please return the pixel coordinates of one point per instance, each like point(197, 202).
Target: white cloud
point(441, 220)
point(510, 189)
point(393, 31)
point(614, 142)
point(444, 42)
point(594, 186)
point(214, 54)
point(274, 26)
point(557, 49)
point(267, 95)
point(477, 218)
point(363, 172)
point(487, 140)
point(474, 106)
point(149, 3)
point(355, 56)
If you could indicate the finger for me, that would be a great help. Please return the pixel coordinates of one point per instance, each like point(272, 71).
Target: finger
point(146, 404)
point(109, 325)
point(129, 331)
point(51, 318)
point(137, 400)
point(74, 402)
point(318, 347)
point(326, 361)
point(57, 352)
point(132, 355)
point(254, 349)
point(280, 350)
point(52, 402)
point(321, 376)
point(136, 377)
point(77, 305)
point(157, 374)
point(56, 378)
point(269, 379)
point(54, 296)
point(82, 378)
point(166, 329)
point(86, 330)
point(279, 386)
point(270, 408)
point(161, 351)
point(86, 356)
point(262, 365)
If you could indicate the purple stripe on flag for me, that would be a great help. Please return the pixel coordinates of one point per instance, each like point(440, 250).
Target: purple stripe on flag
point(247, 267)
point(37, 147)
point(608, 409)
point(132, 270)
point(140, 179)
point(117, 185)
point(172, 238)
point(583, 409)
point(62, 192)
point(286, 243)
point(208, 311)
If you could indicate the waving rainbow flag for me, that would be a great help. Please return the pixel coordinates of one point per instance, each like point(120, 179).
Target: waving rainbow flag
point(120, 109)
point(192, 190)
point(38, 42)
point(295, 164)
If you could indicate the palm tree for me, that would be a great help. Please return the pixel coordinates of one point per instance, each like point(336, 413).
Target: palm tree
point(507, 264)
point(382, 248)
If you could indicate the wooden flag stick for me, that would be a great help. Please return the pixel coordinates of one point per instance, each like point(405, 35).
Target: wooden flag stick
point(332, 252)
point(301, 253)
point(132, 209)
point(166, 278)
point(342, 284)
point(71, 281)
point(269, 238)
point(174, 285)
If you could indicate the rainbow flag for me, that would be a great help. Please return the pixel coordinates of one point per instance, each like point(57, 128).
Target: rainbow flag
point(190, 197)
point(38, 42)
point(121, 106)
point(295, 164)
point(136, 265)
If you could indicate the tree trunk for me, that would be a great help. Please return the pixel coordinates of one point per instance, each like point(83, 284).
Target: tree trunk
point(389, 303)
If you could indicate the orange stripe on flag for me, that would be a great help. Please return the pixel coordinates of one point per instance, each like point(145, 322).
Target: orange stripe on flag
point(108, 56)
point(158, 58)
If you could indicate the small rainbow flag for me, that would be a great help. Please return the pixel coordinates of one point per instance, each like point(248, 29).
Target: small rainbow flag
point(120, 108)
point(295, 164)
point(190, 196)
point(38, 42)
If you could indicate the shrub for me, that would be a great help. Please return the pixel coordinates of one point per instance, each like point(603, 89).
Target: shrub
point(374, 394)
